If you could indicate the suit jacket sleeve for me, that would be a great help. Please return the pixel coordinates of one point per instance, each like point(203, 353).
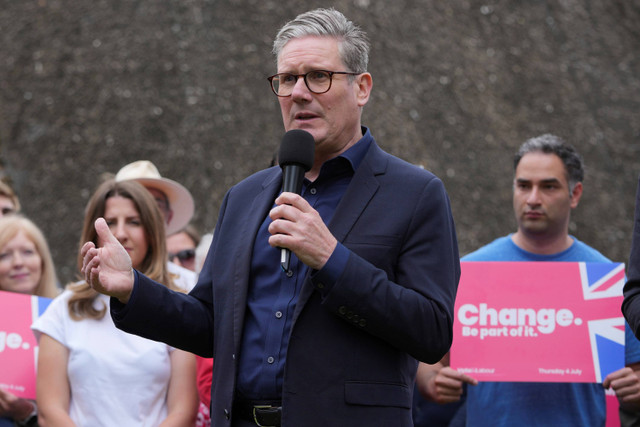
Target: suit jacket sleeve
point(180, 320)
point(631, 303)
point(401, 276)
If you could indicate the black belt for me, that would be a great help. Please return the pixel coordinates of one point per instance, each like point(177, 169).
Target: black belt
point(265, 414)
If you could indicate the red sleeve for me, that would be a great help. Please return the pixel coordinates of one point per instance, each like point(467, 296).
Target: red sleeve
point(204, 367)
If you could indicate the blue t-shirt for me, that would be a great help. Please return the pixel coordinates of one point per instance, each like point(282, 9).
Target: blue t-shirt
point(539, 404)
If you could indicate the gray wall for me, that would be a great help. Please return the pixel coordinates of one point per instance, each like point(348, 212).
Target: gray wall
point(88, 86)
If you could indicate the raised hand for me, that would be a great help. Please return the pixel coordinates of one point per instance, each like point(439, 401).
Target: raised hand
point(107, 268)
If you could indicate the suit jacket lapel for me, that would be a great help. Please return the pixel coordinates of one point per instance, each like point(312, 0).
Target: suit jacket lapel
point(256, 211)
point(360, 191)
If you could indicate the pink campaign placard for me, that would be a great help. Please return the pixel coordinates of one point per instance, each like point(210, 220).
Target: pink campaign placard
point(18, 346)
point(539, 321)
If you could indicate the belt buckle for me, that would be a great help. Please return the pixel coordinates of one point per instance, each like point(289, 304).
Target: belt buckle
point(255, 417)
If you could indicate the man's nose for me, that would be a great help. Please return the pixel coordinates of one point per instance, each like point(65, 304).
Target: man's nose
point(534, 196)
point(300, 89)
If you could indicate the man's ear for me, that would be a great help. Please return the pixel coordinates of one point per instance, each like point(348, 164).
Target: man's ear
point(576, 194)
point(363, 83)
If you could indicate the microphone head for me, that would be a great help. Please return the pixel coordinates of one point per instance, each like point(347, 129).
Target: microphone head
point(297, 148)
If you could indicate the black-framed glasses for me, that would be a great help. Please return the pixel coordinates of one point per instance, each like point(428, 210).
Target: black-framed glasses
point(184, 255)
point(317, 81)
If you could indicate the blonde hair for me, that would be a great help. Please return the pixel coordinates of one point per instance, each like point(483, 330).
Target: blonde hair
point(154, 264)
point(7, 191)
point(10, 226)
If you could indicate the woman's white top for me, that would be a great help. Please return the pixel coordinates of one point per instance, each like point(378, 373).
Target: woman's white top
point(116, 379)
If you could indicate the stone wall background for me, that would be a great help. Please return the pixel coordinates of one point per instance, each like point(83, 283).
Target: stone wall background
point(86, 87)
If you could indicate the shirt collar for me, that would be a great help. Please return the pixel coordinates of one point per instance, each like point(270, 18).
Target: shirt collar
point(355, 154)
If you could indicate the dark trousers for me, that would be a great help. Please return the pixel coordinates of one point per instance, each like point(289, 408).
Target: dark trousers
point(242, 423)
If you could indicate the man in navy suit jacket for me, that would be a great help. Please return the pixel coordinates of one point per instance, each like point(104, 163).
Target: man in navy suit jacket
point(336, 339)
point(631, 303)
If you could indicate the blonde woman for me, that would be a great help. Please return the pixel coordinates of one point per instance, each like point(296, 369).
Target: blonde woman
point(26, 267)
point(89, 372)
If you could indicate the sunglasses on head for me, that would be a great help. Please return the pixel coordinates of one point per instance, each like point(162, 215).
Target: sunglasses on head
point(184, 255)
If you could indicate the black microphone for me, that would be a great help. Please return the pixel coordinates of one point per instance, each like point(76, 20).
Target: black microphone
point(295, 158)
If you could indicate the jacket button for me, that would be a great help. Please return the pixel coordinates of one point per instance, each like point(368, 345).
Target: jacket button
point(362, 323)
point(226, 414)
point(342, 310)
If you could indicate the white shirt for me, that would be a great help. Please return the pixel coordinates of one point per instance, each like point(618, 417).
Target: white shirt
point(116, 379)
point(182, 277)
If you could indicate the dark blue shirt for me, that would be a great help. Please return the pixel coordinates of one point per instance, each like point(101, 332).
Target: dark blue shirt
point(273, 294)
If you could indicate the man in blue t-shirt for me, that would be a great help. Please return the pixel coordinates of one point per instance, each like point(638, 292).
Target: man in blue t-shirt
point(546, 188)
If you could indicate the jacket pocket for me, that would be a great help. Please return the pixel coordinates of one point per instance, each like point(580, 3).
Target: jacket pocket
point(377, 394)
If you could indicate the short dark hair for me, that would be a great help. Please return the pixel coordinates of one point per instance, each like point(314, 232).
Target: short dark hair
point(551, 144)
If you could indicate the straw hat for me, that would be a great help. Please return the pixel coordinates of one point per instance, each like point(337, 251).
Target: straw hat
point(180, 199)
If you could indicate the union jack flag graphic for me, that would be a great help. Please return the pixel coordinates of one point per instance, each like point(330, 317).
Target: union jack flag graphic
point(604, 280)
point(607, 345)
point(601, 280)
point(38, 306)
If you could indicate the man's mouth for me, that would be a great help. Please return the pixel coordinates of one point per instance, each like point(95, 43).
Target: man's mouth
point(305, 116)
point(533, 214)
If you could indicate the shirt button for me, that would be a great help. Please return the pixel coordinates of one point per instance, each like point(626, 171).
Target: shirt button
point(270, 359)
point(278, 314)
point(226, 414)
point(313, 191)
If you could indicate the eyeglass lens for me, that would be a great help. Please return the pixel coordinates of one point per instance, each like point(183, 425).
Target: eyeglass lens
point(316, 81)
point(183, 255)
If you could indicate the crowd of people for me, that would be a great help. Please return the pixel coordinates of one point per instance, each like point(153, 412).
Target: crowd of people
point(89, 372)
point(169, 327)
